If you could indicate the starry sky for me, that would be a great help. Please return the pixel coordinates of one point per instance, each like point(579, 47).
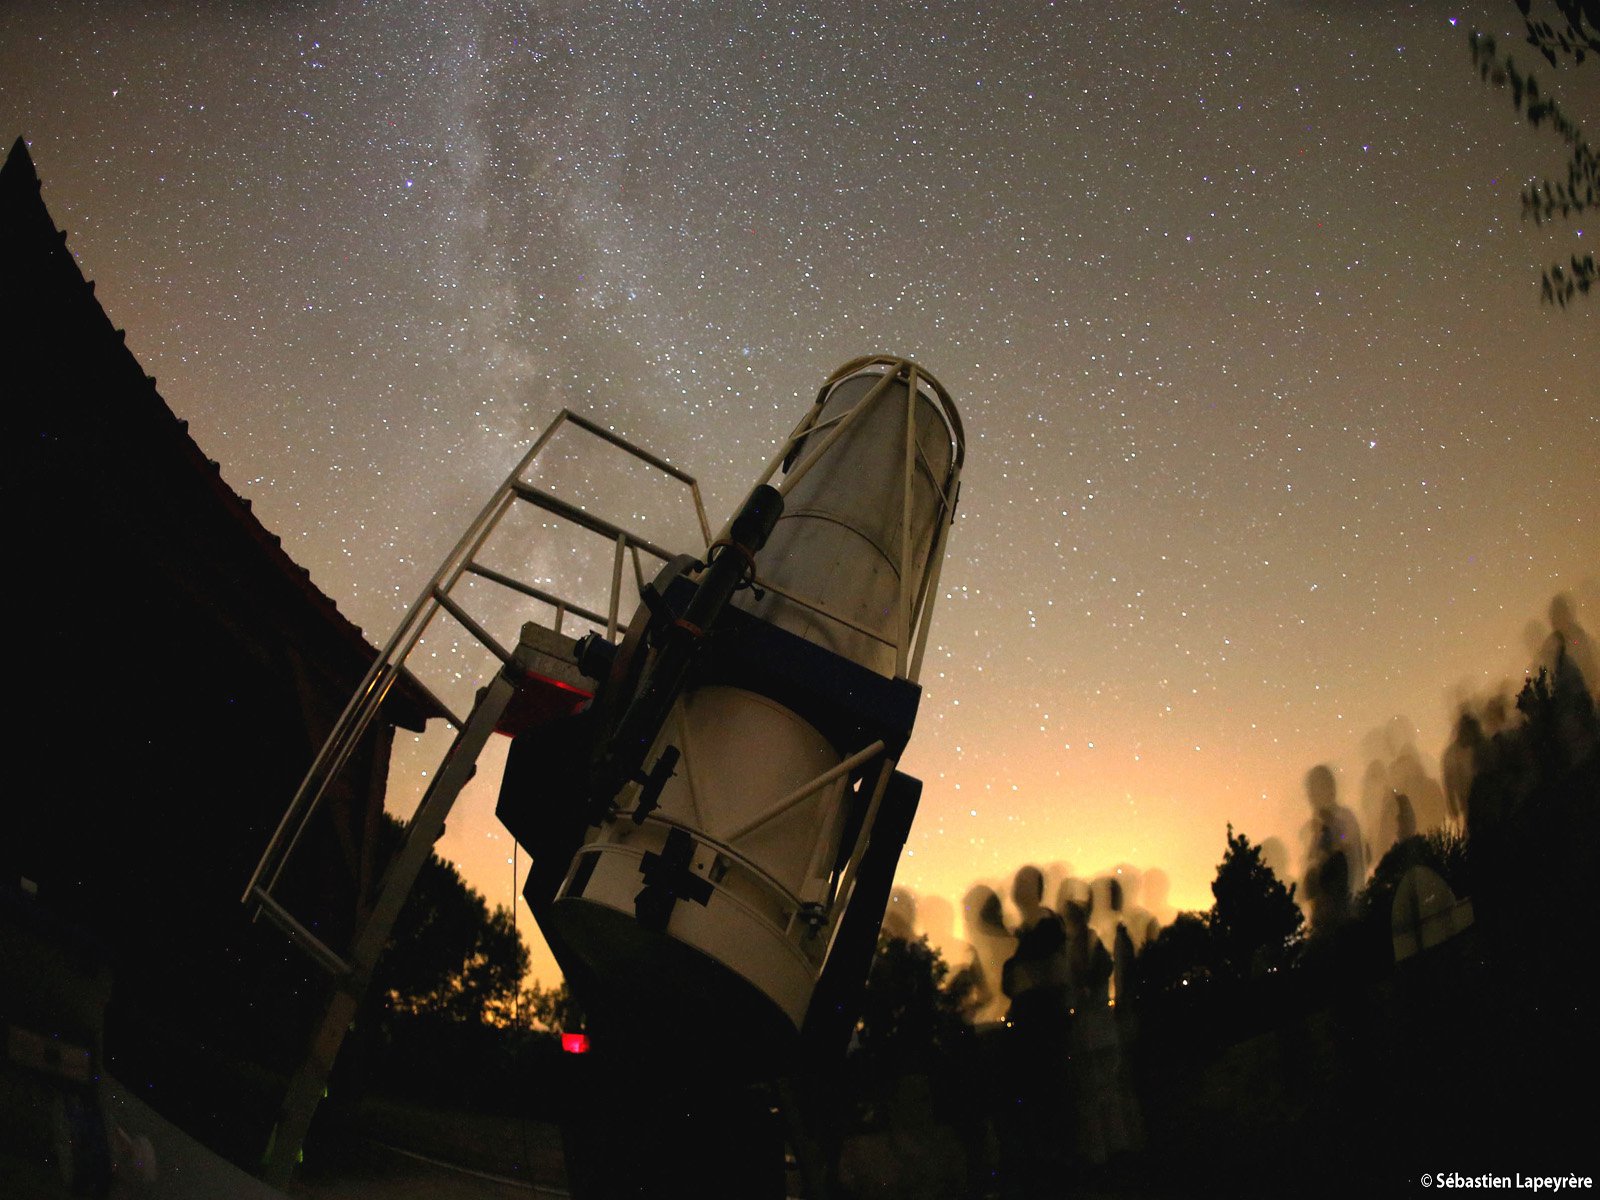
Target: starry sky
point(1270, 441)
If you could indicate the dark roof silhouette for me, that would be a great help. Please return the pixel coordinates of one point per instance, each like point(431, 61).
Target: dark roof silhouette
point(173, 671)
point(80, 389)
point(177, 670)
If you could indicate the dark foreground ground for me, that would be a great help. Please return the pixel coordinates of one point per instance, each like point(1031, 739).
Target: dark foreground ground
point(397, 1150)
point(1266, 1116)
point(1355, 1097)
point(1360, 1091)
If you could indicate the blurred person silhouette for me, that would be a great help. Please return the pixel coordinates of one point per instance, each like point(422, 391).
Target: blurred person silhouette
point(992, 944)
point(1376, 799)
point(1395, 765)
point(1566, 634)
point(1387, 814)
point(1157, 887)
point(1495, 715)
point(969, 1105)
point(1125, 997)
point(1105, 911)
point(1534, 636)
point(1037, 979)
point(1035, 976)
point(1566, 660)
point(1326, 882)
point(1335, 864)
point(1123, 971)
point(1072, 890)
point(936, 921)
point(1111, 923)
point(1585, 653)
point(1408, 775)
point(1055, 875)
point(964, 979)
point(1399, 821)
point(1459, 765)
point(1501, 771)
point(982, 1113)
point(1101, 1104)
point(900, 917)
point(1276, 855)
point(1135, 919)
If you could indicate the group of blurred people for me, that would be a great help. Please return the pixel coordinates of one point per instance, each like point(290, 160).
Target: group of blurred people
point(1039, 984)
point(1046, 980)
point(1399, 798)
point(1069, 1077)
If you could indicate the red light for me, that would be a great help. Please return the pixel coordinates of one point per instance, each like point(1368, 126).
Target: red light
point(539, 701)
point(558, 685)
point(575, 1043)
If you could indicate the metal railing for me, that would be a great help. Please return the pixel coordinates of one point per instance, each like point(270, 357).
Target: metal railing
point(442, 594)
point(914, 610)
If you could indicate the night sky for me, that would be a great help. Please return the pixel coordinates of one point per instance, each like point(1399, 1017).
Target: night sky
point(1270, 441)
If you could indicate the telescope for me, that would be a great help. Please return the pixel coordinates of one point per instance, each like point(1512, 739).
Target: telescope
point(716, 833)
point(707, 791)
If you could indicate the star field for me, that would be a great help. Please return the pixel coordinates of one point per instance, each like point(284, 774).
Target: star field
point(1269, 438)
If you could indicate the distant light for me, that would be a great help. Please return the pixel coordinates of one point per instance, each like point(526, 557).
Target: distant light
point(575, 1043)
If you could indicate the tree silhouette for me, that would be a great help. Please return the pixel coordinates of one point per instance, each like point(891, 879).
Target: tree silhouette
point(1577, 37)
point(1442, 851)
point(450, 956)
point(1177, 956)
point(553, 1009)
point(908, 1016)
point(1254, 919)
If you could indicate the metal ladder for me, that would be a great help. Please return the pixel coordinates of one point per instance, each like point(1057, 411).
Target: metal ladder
point(543, 657)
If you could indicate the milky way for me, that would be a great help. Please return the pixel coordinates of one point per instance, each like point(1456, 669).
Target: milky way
point(1270, 440)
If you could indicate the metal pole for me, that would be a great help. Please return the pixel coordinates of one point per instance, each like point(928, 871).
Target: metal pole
point(930, 585)
point(774, 463)
point(311, 1080)
point(805, 790)
point(902, 638)
point(852, 866)
point(616, 587)
point(803, 467)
